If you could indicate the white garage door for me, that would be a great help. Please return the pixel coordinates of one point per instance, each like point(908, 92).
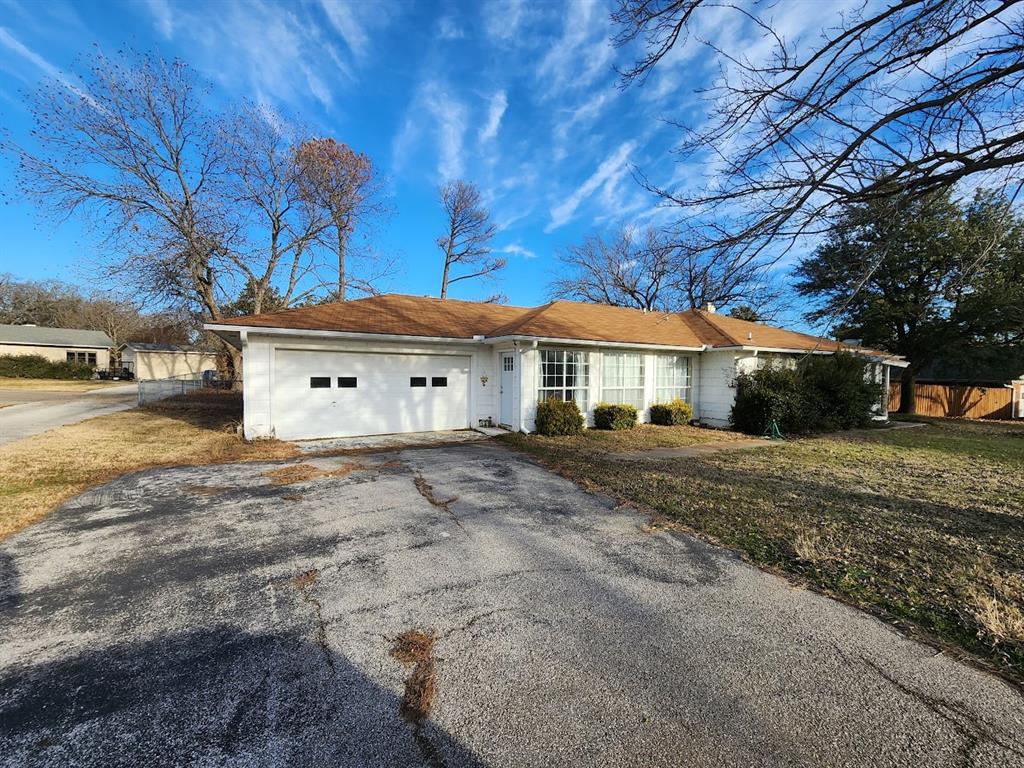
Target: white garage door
point(342, 394)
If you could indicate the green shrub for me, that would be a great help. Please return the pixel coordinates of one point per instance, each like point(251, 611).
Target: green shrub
point(838, 391)
point(822, 393)
point(672, 413)
point(559, 417)
point(612, 416)
point(38, 367)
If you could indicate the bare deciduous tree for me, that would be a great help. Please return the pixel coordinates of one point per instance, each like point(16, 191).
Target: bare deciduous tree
point(135, 153)
point(342, 182)
point(628, 269)
point(469, 234)
point(894, 99)
point(267, 188)
point(659, 271)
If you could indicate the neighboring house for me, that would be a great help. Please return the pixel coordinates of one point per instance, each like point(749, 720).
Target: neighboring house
point(392, 363)
point(166, 361)
point(57, 344)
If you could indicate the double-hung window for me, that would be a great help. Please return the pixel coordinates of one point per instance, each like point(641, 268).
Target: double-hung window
point(673, 378)
point(622, 379)
point(564, 375)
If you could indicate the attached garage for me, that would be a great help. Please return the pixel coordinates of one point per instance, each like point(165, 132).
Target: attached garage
point(344, 394)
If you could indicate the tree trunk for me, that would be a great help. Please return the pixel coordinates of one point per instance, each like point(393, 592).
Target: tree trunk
point(341, 263)
point(908, 389)
point(444, 278)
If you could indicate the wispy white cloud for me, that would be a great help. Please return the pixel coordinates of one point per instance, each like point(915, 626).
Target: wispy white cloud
point(345, 18)
point(582, 54)
point(504, 18)
point(448, 29)
point(163, 17)
point(10, 42)
point(449, 120)
point(606, 178)
point(580, 118)
point(517, 250)
point(495, 111)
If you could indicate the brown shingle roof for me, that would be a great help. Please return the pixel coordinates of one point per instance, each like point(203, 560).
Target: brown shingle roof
point(392, 314)
point(399, 315)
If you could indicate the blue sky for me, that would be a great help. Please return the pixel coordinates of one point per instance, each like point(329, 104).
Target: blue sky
point(519, 97)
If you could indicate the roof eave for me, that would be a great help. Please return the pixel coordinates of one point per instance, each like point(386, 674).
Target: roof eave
point(223, 328)
point(590, 342)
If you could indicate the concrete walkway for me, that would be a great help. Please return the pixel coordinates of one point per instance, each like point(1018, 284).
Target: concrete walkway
point(49, 410)
point(699, 449)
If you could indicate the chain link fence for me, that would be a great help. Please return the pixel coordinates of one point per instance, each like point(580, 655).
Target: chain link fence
point(154, 390)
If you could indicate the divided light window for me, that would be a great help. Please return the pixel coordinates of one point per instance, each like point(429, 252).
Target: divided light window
point(622, 379)
point(673, 379)
point(319, 382)
point(564, 375)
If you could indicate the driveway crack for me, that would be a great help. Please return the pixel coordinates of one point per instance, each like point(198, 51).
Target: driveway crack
point(304, 582)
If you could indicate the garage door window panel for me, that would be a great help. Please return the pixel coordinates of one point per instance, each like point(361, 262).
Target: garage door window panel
point(439, 381)
point(417, 381)
point(319, 382)
point(347, 382)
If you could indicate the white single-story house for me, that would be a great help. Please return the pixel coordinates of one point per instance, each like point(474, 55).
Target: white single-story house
point(166, 361)
point(59, 345)
point(393, 363)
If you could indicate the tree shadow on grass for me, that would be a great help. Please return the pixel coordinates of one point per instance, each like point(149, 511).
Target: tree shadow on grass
point(213, 696)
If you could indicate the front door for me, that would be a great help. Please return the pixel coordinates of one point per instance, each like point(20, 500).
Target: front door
point(508, 387)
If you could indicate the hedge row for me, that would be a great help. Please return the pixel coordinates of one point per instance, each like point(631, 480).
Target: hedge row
point(559, 417)
point(821, 394)
point(38, 367)
point(612, 416)
point(672, 413)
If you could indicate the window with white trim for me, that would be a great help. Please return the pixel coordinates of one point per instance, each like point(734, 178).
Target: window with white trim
point(564, 375)
point(672, 379)
point(622, 378)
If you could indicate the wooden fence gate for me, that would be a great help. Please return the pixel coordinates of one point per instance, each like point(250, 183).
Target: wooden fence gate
point(957, 401)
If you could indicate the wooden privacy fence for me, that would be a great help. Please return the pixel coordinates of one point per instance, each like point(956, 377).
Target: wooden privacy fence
point(958, 401)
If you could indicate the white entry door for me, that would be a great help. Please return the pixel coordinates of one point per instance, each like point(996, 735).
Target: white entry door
point(345, 394)
point(507, 390)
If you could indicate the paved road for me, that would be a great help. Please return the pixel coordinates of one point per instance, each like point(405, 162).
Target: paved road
point(39, 411)
point(208, 617)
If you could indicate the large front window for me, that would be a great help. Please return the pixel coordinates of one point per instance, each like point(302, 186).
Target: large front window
point(673, 378)
point(564, 375)
point(622, 379)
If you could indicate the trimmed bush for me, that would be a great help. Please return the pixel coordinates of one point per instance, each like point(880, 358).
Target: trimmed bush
point(38, 367)
point(672, 413)
point(559, 417)
point(611, 416)
point(821, 394)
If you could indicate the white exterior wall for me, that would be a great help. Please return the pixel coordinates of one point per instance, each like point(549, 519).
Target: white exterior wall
point(258, 354)
point(716, 388)
point(56, 354)
point(530, 380)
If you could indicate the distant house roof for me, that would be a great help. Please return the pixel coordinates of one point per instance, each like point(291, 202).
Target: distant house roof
point(145, 346)
point(38, 336)
point(394, 314)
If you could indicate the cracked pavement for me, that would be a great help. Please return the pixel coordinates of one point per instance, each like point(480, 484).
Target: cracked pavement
point(206, 616)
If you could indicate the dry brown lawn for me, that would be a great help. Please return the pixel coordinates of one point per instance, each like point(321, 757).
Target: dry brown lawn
point(922, 526)
point(39, 473)
point(58, 385)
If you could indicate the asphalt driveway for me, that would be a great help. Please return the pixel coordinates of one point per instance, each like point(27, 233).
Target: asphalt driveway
point(30, 412)
point(212, 617)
